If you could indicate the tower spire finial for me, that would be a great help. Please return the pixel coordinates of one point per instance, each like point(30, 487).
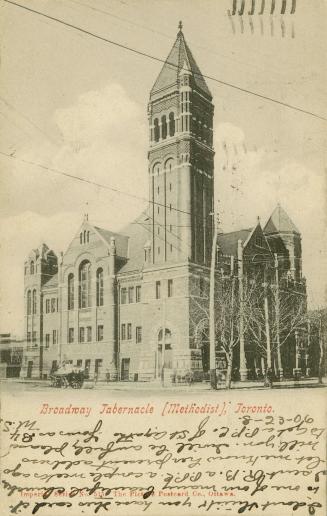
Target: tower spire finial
point(180, 25)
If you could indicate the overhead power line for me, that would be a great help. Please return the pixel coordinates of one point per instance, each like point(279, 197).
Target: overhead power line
point(90, 182)
point(154, 58)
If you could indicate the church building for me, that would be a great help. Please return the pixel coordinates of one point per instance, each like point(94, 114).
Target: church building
point(119, 304)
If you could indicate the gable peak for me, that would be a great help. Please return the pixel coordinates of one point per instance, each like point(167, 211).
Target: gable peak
point(280, 222)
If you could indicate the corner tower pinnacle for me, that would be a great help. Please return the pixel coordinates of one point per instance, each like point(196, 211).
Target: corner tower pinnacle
point(180, 113)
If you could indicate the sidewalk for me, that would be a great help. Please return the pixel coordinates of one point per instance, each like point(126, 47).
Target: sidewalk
point(156, 386)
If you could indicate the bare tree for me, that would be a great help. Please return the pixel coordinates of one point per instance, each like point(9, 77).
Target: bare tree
point(227, 316)
point(317, 330)
point(271, 321)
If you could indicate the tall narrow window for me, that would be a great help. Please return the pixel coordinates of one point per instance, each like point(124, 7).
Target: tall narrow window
point(82, 334)
point(81, 238)
point(138, 334)
point(32, 268)
point(138, 294)
point(100, 332)
point(129, 331)
point(158, 285)
point(123, 331)
point(29, 303)
point(164, 127)
point(34, 337)
point(47, 340)
point(54, 336)
point(53, 304)
point(85, 285)
point(88, 237)
point(28, 336)
point(156, 130)
point(131, 294)
point(89, 333)
point(170, 288)
point(171, 124)
point(70, 291)
point(71, 335)
point(123, 296)
point(100, 287)
point(34, 302)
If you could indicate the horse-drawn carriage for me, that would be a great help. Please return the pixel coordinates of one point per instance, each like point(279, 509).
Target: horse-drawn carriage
point(67, 377)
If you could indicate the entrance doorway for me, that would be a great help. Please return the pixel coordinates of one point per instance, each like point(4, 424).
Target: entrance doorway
point(165, 354)
point(29, 368)
point(125, 363)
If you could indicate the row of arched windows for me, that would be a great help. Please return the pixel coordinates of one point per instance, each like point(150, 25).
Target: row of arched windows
point(31, 302)
point(85, 286)
point(167, 127)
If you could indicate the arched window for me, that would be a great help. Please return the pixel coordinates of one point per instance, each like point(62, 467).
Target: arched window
point(171, 124)
point(88, 237)
point(81, 238)
point(32, 267)
point(70, 291)
point(163, 127)
point(169, 165)
point(29, 303)
point(85, 284)
point(156, 130)
point(34, 302)
point(100, 287)
point(84, 238)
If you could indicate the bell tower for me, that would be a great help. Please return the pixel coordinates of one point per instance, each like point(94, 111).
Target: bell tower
point(181, 160)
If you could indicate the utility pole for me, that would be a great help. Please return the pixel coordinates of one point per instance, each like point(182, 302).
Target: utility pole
point(243, 369)
point(265, 286)
point(212, 322)
point(277, 312)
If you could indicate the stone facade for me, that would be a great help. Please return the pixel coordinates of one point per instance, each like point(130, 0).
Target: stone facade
point(120, 305)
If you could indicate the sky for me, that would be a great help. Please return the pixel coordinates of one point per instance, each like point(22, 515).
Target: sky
point(75, 104)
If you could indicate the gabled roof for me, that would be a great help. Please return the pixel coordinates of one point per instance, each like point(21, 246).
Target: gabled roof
point(228, 242)
point(139, 232)
point(120, 240)
point(52, 282)
point(280, 222)
point(180, 56)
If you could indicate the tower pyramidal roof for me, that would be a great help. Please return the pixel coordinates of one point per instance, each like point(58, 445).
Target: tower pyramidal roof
point(280, 222)
point(180, 57)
